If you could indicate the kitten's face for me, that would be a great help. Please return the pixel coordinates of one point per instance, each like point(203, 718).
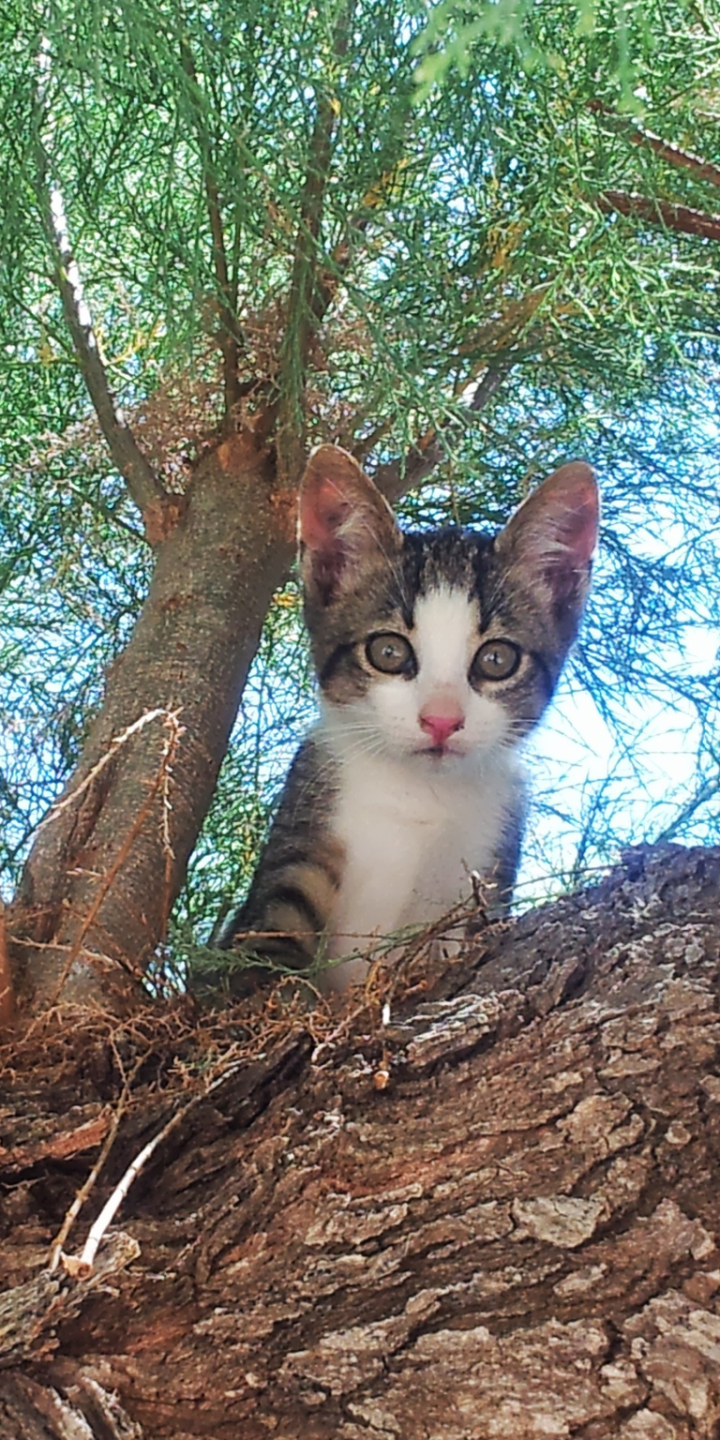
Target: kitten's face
point(441, 647)
point(441, 704)
point(426, 659)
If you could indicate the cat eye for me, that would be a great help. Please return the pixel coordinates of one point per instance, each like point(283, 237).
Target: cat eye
point(392, 654)
point(495, 660)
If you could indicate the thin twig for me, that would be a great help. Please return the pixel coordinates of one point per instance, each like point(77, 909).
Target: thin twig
point(82, 1265)
point(169, 746)
point(115, 744)
point(89, 1184)
point(87, 1187)
point(399, 475)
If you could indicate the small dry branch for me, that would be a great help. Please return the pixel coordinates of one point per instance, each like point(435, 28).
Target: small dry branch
point(143, 484)
point(81, 1266)
point(681, 218)
point(117, 742)
point(685, 159)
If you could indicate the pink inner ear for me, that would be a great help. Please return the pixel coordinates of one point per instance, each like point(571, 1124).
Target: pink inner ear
point(577, 524)
point(566, 546)
point(323, 509)
point(555, 531)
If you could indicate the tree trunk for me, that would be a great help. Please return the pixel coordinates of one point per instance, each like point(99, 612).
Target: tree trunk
point(103, 874)
point(495, 1216)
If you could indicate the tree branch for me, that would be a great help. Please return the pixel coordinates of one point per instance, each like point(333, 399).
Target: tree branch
point(230, 335)
point(330, 278)
point(302, 309)
point(447, 1273)
point(306, 302)
point(701, 169)
point(230, 338)
point(398, 476)
point(143, 485)
point(681, 218)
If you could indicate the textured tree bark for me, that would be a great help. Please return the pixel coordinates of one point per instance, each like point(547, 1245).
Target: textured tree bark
point(103, 874)
point(7, 998)
point(496, 1216)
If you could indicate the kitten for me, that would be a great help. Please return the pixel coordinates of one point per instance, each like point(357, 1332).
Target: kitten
point(436, 654)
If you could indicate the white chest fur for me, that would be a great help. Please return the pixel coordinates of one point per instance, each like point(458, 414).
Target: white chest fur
point(412, 829)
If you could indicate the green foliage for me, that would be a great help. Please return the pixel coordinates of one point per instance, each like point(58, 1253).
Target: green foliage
point(461, 235)
point(621, 38)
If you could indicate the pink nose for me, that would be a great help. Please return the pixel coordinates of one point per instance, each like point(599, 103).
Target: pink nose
point(440, 727)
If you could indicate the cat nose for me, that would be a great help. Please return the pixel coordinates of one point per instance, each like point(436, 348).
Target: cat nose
point(441, 727)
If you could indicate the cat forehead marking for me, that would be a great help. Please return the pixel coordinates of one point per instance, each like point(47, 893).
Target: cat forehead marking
point(447, 558)
point(445, 633)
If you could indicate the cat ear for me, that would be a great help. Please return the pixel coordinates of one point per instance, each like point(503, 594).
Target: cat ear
point(344, 522)
point(553, 536)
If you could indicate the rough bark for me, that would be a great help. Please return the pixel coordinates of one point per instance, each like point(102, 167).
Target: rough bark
point(6, 989)
point(497, 1216)
point(104, 872)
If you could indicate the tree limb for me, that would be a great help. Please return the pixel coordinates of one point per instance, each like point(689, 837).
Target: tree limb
point(143, 485)
point(230, 338)
point(681, 218)
point(491, 1211)
point(701, 169)
point(398, 476)
point(302, 310)
point(305, 304)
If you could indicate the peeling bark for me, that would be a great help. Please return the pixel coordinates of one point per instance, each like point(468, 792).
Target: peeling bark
point(515, 1236)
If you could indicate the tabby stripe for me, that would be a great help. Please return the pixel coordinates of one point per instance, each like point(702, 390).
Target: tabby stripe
point(284, 861)
point(295, 897)
point(545, 672)
point(283, 951)
point(334, 660)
